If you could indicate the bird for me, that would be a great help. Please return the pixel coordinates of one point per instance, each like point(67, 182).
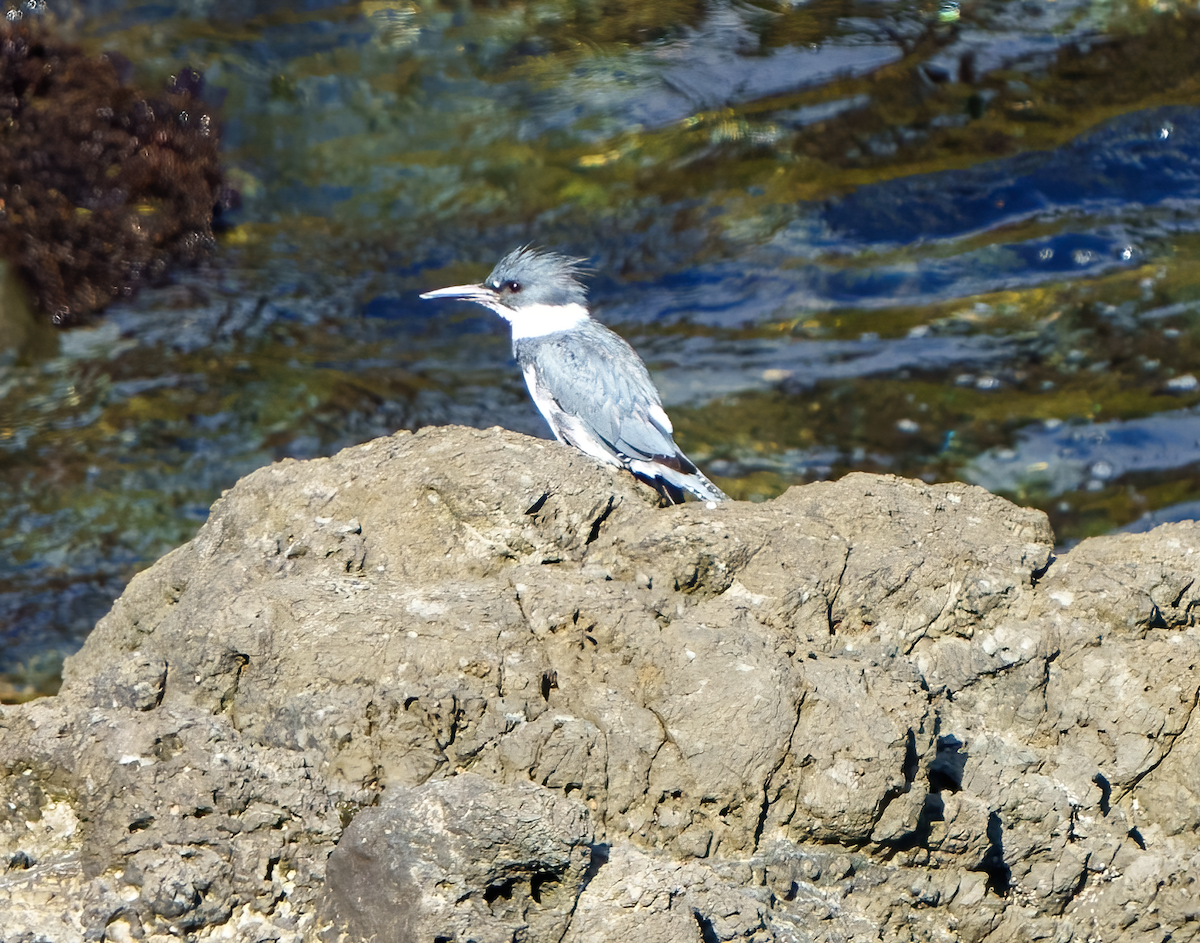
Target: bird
point(590, 386)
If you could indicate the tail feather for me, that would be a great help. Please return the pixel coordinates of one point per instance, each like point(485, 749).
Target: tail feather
point(694, 481)
point(667, 491)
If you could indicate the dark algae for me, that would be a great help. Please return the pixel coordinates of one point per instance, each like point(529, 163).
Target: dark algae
point(102, 187)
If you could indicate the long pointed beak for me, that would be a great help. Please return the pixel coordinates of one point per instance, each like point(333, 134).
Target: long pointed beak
point(479, 293)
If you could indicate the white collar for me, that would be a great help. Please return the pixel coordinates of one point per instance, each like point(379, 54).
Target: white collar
point(539, 320)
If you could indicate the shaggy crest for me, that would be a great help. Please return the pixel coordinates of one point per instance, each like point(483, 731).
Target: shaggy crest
point(529, 276)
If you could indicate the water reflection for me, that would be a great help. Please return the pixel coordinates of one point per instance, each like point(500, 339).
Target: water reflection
point(843, 235)
point(1055, 458)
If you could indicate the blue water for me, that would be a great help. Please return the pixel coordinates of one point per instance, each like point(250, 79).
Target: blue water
point(380, 156)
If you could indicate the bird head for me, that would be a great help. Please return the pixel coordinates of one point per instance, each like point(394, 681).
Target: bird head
point(525, 278)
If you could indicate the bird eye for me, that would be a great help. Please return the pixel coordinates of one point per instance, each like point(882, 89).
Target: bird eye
point(513, 287)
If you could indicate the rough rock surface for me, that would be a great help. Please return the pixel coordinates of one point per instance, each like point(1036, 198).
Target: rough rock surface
point(459, 858)
point(467, 685)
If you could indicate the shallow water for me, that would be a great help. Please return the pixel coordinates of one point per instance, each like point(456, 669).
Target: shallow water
point(957, 243)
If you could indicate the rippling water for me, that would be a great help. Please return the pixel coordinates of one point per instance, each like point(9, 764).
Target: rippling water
point(947, 242)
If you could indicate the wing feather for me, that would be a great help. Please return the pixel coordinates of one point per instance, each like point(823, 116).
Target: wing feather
point(595, 377)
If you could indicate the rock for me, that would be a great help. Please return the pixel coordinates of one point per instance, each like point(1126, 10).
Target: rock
point(459, 858)
point(471, 685)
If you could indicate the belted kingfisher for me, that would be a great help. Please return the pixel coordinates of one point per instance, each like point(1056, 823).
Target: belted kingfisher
point(589, 384)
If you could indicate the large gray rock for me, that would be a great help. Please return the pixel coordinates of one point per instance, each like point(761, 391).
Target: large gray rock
point(523, 701)
point(458, 858)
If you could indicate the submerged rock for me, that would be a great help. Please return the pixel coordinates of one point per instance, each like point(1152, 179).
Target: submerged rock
point(102, 186)
point(516, 700)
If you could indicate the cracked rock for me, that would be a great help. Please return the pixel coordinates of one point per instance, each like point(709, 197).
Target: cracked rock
point(467, 684)
point(459, 858)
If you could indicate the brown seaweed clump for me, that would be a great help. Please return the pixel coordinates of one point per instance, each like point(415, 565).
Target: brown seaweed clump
point(101, 187)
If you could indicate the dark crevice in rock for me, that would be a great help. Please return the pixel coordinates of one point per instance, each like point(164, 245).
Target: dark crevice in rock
point(538, 504)
point(1040, 573)
point(707, 933)
point(541, 880)
point(932, 810)
point(1079, 885)
point(999, 874)
point(521, 607)
point(888, 797)
point(1105, 793)
point(908, 770)
point(501, 890)
point(911, 760)
point(664, 739)
point(596, 524)
point(832, 598)
point(1175, 603)
point(762, 812)
point(948, 766)
point(21, 861)
point(597, 860)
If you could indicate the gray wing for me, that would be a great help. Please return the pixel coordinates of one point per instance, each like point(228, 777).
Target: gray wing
point(595, 378)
